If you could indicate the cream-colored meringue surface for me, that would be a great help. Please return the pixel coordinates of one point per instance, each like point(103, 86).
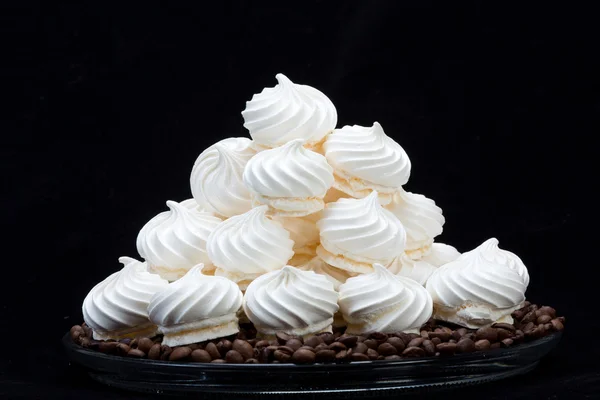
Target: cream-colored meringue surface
point(480, 287)
point(174, 241)
point(334, 275)
point(246, 246)
point(195, 308)
point(303, 231)
point(289, 111)
point(422, 219)
point(441, 254)
point(355, 233)
point(383, 302)
point(417, 270)
point(116, 307)
point(216, 178)
point(366, 159)
point(291, 300)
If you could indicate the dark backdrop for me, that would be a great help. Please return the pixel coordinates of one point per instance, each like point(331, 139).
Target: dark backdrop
point(108, 107)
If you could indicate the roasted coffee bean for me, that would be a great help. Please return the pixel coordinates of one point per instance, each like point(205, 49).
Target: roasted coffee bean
point(86, 342)
point(193, 346)
point(218, 361)
point(413, 351)
point(482, 344)
point(76, 332)
point(561, 319)
point(180, 353)
point(123, 349)
point(548, 327)
point(234, 357)
point(241, 335)
point(282, 356)
point(251, 361)
point(88, 331)
point(108, 347)
point(546, 310)
point(313, 341)
point(244, 348)
point(286, 349)
point(328, 338)
point(393, 357)
point(502, 325)
point(305, 347)
point(526, 303)
point(528, 327)
point(443, 336)
point(517, 315)
point(446, 349)
point(495, 346)
point(136, 353)
point(252, 342)
point(325, 356)
point(349, 341)
point(507, 342)
point(154, 352)
point(380, 337)
point(519, 336)
point(436, 340)
point(381, 358)
point(165, 352)
point(342, 356)
point(429, 347)
point(386, 349)
point(212, 349)
point(303, 356)
point(397, 343)
point(144, 344)
point(322, 346)
point(529, 317)
point(371, 343)
point(337, 346)
point(452, 341)
point(201, 356)
point(543, 319)
point(557, 325)
point(425, 334)
point(337, 334)
point(415, 342)
point(490, 334)
point(282, 337)
point(359, 357)
point(266, 354)
point(503, 334)
point(127, 341)
point(405, 337)
point(262, 343)
point(372, 354)
point(294, 344)
point(224, 346)
point(465, 346)
point(360, 348)
point(133, 344)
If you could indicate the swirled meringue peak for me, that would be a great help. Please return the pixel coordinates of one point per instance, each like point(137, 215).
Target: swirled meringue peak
point(249, 245)
point(291, 300)
point(116, 307)
point(196, 308)
point(482, 286)
point(421, 218)
point(174, 241)
point(216, 178)
point(441, 254)
point(366, 159)
point(383, 302)
point(355, 233)
point(290, 179)
point(417, 270)
point(289, 111)
point(334, 275)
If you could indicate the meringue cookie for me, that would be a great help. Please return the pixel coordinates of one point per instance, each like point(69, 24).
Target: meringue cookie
point(303, 231)
point(290, 179)
point(116, 307)
point(482, 286)
point(196, 308)
point(366, 159)
point(334, 275)
point(291, 300)
point(417, 270)
point(355, 233)
point(422, 220)
point(441, 254)
point(246, 246)
point(174, 241)
point(334, 195)
point(289, 111)
point(216, 178)
point(383, 302)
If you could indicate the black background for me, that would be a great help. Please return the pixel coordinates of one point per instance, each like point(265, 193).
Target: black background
point(107, 107)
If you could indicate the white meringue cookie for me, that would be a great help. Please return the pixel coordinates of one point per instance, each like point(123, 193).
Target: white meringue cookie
point(196, 308)
point(417, 270)
point(303, 231)
point(290, 179)
point(116, 307)
point(289, 111)
point(441, 254)
point(334, 195)
point(355, 233)
point(216, 179)
point(421, 218)
point(334, 275)
point(482, 286)
point(246, 246)
point(383, 302)
point(174, 241)
point(366, 159)
point(291, 300)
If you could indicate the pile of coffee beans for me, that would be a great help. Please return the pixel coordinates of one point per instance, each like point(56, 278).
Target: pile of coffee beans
point(436, 339)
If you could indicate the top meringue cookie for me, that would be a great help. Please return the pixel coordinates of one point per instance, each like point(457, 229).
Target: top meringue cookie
point(366, 159)
point(290, 179)
point(289, 111)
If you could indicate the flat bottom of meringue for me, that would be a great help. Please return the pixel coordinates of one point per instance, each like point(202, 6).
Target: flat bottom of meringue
point(342, 262)
point(289, 206)
point(368, 324)
point(360, 188)
point(474, 316)
point(148, 330)
point(324, 326)
point(242, 280)
point(200, 331)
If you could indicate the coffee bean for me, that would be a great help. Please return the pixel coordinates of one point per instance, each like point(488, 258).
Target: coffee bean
point(262, 343)
point(546, 310)
point(328, 338)
point(446, 349)
point(405, 337)
point(341, 356)
point(507, 342)
point(154, 352)
point(529, 317)
point(88, 331)
point(359, 357)
point(322, 346)
point(415, 342)
point(372, 354)
point(244, 348)
point(503, 334)
point(251, 361)
point(224, 346)
point(436, 340)
point(495, 346)
point(557, 325)
point(526, 304)
point(282, 356)
point(180, 353)
point(502, 325)
point(234, 357)
point(425, 334)
point(517, 315)
point(133, 344)
point(108, 347)
point(266, 355)
point(361, 338)
point(123, 349)
point(528, 327)
point(337, 346)
point(380, 337)
point(127, 341)
point(490, 334)
point(325, 356)
point(544, 319)
point(136, 353)
point(212, 349)
point(282, 337)
point(349, 341)
point(371, 343)
point(241, 335)
point(413, 351)
point(482, 344)
point(443, 336)
point(303, 356)
point(86, 342)
point(144, 344)
point(76, 332)
point(294, 344)
point(561, 319)
point(313, 341)
point(360, 348)
point(465, 346)
point(386, 349)
point(165, 352)
point(201, 356)
point(429, 347)
point(307, 348)
point(393, 357)
point(193, 346)
point(337, 334)
point(397, 343)
point(452, 341)
point(218, 361)
point(381, 358)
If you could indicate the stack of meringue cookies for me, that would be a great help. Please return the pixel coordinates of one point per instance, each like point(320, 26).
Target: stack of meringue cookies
point(301, 229)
